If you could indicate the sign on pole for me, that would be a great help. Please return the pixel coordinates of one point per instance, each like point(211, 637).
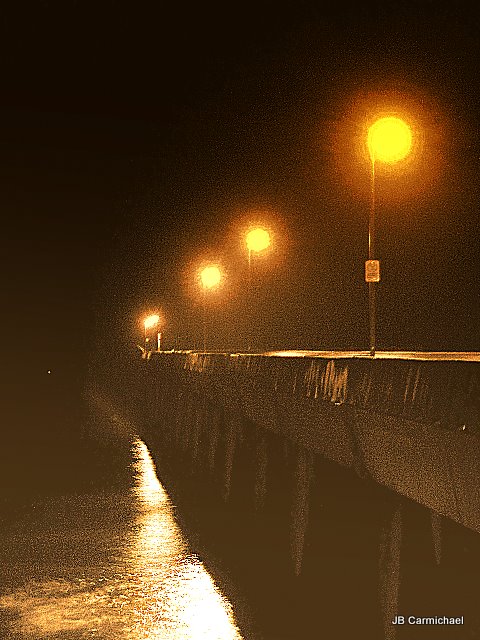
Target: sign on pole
point(372, 271)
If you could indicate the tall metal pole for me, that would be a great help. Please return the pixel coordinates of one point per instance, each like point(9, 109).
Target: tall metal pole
point(249, 302)
point(371, 256)
point(204, 320)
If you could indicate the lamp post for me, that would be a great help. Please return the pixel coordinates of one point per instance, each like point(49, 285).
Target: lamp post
point(210, 277)
point(148, 323)
point(257, 240)
point(389, 141)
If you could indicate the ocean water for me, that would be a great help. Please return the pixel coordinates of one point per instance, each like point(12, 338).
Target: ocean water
point(90, 546)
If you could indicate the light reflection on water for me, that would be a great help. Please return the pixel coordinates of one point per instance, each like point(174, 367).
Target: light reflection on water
point(123, 575)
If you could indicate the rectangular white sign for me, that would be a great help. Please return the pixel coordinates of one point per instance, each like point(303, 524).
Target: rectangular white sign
point(372, 271)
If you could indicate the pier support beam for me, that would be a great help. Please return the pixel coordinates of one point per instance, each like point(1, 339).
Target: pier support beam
point(232, 427)
point(214, 419)
point(195, 432)
point(436, 520)
point(303, 472)
point(389, 583)
point(186, 420)
point(261, 463)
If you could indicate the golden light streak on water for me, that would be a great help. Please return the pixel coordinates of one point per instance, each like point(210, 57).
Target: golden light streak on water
point(147, 486)
point(187, 604)
point(134, 578)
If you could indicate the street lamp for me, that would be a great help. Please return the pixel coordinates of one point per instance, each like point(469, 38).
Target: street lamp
point(389, 140)
point(210, 278)
point(257, 239)
point(149, 323)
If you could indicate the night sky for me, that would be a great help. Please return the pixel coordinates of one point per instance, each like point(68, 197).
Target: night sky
point(138, 140)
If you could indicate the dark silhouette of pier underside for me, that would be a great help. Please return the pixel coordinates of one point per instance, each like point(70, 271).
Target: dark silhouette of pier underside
point(386, 449)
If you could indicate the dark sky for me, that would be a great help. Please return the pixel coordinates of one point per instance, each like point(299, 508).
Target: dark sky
point(138, 138)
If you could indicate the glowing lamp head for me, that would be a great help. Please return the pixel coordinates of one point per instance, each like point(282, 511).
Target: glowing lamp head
point(258, 239)
point(389, 140)
point(210, 277)
point(151, 321)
